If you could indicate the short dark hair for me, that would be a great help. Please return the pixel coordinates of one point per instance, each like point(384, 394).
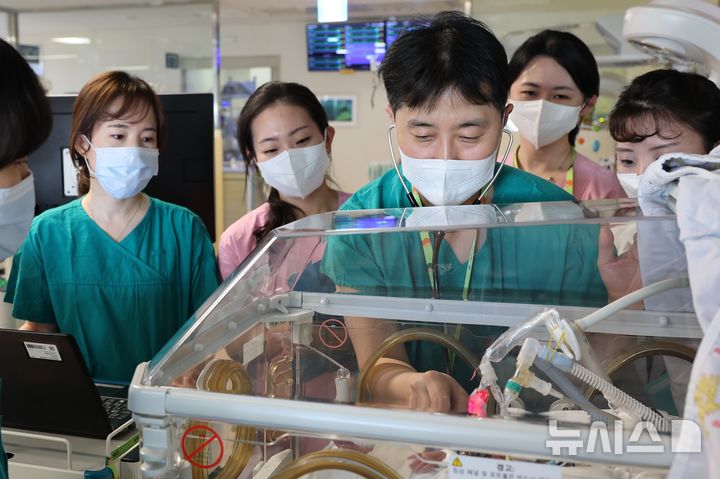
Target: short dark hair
point(25, 116)
point(450, 52)
point(269, 94)
point(569, 52)
point(665, 97)
point(93, 104)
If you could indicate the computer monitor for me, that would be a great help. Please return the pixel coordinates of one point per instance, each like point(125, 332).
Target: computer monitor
point(338, 46)
point(355, 46)
point(186, 163)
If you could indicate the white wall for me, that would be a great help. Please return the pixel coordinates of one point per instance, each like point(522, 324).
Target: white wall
point(355, 146)
point(121, 39)
point(3, 25)
point(135, 40)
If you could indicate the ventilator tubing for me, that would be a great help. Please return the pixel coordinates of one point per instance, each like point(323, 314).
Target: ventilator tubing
point(615, 397)
point(570, 390)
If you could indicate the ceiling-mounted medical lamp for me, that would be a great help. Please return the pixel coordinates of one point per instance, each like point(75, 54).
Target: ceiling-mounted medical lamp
point(332, 11)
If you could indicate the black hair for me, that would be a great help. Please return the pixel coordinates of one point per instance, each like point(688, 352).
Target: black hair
point(450, 52)
point(666, 97)
point(25, 116)
point(569, 52)
point(267, 95)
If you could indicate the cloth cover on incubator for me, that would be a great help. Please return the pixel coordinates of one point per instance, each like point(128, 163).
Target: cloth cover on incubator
point(672, 166)
point(662, 256)
point(17, 208)
point(698, 203)
point(441, 216)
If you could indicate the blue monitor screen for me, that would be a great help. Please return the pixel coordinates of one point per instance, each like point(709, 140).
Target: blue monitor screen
point(326, 46)
point(393, 28)
point(339, 46)
point(364, 41)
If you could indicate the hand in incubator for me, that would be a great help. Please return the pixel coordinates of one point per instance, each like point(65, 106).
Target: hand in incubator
point(620, 274)
point(396, 382)
point(437, 392)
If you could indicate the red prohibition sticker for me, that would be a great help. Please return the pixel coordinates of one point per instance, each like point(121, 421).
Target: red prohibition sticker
point(210, 437)
point(333, 333)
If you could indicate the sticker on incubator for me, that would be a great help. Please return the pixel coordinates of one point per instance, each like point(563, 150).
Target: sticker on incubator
point(471, 466)
point(253, 348)
point(200, 444)
point(333, 333)
point(43, 351)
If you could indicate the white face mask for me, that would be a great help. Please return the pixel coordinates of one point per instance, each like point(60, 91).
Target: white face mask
point(448, 182)
point(439, 216)
point(296, 172)
point(630, 183)
point(17, 208)
point(123, 172)
point(551, 210)
point(542, 122)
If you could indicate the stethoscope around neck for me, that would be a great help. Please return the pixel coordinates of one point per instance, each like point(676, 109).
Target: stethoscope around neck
point(484, 191)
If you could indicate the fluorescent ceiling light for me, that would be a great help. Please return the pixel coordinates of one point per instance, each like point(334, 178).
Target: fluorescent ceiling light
point(332, 11)
point(72, 40)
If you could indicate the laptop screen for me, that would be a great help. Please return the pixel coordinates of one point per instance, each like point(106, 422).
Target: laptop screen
point(46, 385)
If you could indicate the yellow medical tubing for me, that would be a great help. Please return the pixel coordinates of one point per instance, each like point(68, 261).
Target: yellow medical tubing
point(402, 337)
point(338, 459)
point(226, 376)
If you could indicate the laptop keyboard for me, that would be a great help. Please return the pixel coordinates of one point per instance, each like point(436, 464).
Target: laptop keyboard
point(117, 411)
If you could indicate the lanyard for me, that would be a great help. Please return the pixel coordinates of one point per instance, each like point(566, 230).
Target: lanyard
point(569, 175)
point(431, 261)
point(431, 251)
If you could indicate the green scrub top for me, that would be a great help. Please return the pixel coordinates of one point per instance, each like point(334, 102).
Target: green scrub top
point(539, 264)
point(121, 301)
point(3, 458)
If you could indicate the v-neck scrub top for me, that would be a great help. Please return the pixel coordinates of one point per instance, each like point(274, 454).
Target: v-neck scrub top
point(121, 301)
point(531, 264)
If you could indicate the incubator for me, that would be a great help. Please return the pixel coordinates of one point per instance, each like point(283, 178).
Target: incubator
point(572, 342)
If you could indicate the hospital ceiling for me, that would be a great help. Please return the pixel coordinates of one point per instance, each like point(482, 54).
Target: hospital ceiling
point(305, 9)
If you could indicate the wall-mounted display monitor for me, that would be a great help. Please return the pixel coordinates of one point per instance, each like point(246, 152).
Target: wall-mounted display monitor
point(355, 46)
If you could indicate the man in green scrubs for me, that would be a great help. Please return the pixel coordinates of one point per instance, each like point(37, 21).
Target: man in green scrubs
point(447, 88)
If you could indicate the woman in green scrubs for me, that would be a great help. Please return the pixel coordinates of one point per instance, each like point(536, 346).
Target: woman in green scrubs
point(25, 123)
point(117, 269)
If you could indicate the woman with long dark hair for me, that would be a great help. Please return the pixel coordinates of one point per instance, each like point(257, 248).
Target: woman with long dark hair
point(284, 133)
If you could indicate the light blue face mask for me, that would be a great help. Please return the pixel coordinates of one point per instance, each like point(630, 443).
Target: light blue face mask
point(17, 208)
point(123, 172)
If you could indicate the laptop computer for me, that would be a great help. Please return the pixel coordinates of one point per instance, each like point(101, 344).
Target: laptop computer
point(46, 386)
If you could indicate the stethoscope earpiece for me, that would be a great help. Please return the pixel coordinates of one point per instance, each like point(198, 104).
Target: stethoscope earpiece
point(409, 195)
